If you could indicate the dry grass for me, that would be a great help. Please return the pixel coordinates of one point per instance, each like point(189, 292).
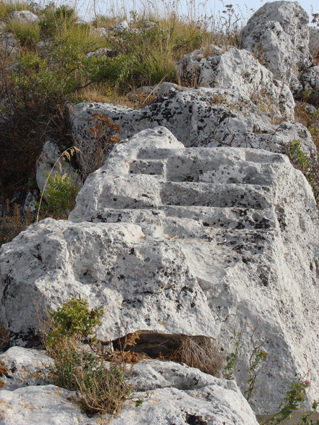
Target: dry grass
point(11, 223)
point(200, 352)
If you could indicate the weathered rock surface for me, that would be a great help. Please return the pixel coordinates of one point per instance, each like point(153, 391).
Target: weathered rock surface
point(239, 72)
point(189, 240)
point(22, 367)
point(24, 15)
point(310, 79)
point(314, 42)
point(197, 117)
point(278, 34)
point(169, 392)
point(40, 405)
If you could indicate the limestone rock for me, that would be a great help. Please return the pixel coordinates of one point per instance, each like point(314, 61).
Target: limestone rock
point(314, 42)
point(102, 52)
point(41, 405)
point(310, 79)
point(23, 367)
point(238, 71)
point(278, 34)
point(187, 240)
point(167, 392)
point(197, 117)
point(100, 32)
point(9, 43)
point(24, 15)
point(121, 27)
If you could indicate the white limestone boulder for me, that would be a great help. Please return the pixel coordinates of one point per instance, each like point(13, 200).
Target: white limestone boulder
point(188, 240)
point(197, 117)
point(121, 27)
point(278, 34)
point(22, 367)
point(24, 16)
point(41, 405)
point(239, 72)
point(165, 392)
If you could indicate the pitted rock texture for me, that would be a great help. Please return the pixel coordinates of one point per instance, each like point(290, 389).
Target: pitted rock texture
point(168, 392)
point(197, 117)
point(187, 240)
point(22, 367)
point(310, 79)
point(314, 42)
point(278, 34)
point(238, 71)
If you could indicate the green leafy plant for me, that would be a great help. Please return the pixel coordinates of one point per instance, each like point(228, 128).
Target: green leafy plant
point(232, 357)
point(294, 397)
point(28, 33)
point(74, 318)
point(308, 166)
point(100, 389)
point(60, 195)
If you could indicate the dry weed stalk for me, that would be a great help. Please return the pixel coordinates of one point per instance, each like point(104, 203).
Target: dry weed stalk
point(101, 124)
point(200, 352)
point(12, 223)
point(64, 155)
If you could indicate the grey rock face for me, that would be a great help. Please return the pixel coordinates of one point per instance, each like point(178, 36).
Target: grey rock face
point(121, 26)
point(189, 240)
point(238, 71)
point(197, 117)
point(278, 34)
point(25, 367)
point(24, 16)
point(310, 79)
point(168, 392)
point(40, 405)
point(314, 41)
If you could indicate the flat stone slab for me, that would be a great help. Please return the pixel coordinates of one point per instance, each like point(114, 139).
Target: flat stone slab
point(164, 393)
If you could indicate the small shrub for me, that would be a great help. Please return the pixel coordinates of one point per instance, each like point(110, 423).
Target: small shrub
point(308, 165)
point(74, 318)
point(60, 195)
point(99, 389)
point(294, 397)
point(28, 33)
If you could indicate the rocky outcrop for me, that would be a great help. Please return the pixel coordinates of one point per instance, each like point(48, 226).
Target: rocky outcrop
point(209, 117)
point(239, 72)
point(165, 391)
point(189, 240)
point(314, 42)
point(278, 34)
point(22, 367)
point(24, 16)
